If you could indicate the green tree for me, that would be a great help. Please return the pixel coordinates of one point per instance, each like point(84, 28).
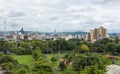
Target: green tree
point(118, 48)
point(103, 41)
point(82, 61)
point(117, 40)
point(7, 59)
point(54, 59)
point(93, 70)
point(69, 57)
point(7, 66)
point(42, 67)
point(36, 55)
point(62, 66)
point(79, 62)
point(85, 48)
point(111, 47)
point(21, 71)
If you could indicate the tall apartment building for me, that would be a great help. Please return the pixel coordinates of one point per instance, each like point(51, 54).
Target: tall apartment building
point(98, 33)
point(86, 37)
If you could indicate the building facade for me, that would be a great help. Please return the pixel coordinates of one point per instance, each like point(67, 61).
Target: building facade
point(98, 33)
point(86, 37)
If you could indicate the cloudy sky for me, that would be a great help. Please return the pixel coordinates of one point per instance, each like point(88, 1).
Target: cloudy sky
point(62, 15)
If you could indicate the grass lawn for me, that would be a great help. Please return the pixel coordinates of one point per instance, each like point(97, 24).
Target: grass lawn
point(117, 62)
point(49, 56)
point(24, 59)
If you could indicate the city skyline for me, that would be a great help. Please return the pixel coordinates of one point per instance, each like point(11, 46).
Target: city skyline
point(62, 15)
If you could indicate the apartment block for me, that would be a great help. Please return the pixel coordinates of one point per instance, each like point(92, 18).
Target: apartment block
point(98, 33)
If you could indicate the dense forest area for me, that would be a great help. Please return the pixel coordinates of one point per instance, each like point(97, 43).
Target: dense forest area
point(59, 57)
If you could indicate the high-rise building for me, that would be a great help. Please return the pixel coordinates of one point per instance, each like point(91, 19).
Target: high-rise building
point(98, 33)
point(86, 37)
point(92, 35)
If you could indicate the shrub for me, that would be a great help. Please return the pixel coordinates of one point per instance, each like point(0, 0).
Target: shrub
point(62, 66)
point(54, 59)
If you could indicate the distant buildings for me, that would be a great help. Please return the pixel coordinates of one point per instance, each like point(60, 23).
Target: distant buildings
point(86, 37)
point(19, 35)
point(98, 33)
point(118, 35)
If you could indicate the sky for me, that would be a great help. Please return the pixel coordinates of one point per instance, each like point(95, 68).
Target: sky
point(62, 15)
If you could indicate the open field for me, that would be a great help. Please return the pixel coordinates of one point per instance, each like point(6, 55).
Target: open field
point(24, 59)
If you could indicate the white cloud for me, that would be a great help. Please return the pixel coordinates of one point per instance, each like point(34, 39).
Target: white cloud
point(63, 15)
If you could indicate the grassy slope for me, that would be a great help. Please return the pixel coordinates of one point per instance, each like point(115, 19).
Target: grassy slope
point(24, 59)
